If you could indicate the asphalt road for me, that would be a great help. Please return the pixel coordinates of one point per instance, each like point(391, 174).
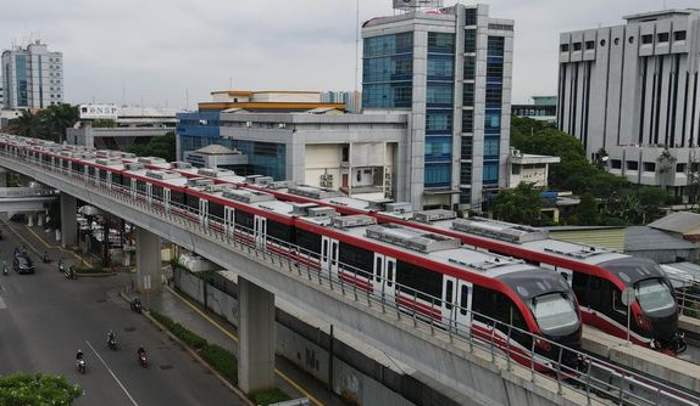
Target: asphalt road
point(45, 319)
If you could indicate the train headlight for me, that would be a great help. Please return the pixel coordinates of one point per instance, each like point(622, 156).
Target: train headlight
point(643, 322)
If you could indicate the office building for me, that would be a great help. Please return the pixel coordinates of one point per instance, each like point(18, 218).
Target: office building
point(352, 100)
point(362, 155)
point(132, 125)
point(632, 89)
point(542, 108)
point(32, 77)
point(450, 69)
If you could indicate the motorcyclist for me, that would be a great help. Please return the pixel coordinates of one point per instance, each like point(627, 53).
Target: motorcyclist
point(111, 336)
point(79, 356)
point(140, 351)
point(4, 267)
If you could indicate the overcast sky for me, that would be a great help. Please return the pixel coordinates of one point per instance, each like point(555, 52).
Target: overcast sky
point(156, 51)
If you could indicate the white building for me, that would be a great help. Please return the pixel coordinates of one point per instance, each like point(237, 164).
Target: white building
point(32, 77)
point(529, 168)
point(633, 90)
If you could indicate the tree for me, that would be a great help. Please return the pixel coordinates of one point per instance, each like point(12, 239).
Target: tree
point(520, 205)
point(26, 125)
point(37, 390)
point(667, 165)
point(652, 199)
point(48, 124)
point(163, 147)
point(587, 211)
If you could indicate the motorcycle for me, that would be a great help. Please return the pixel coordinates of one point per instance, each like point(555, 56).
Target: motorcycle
point(136, 305)
point(70, 274)
point(61, 267)
point(5, 271)
point(143, 359)
point(112, 344)
point(81, 365)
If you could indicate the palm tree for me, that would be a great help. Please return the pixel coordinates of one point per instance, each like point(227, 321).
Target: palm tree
point(26, 124)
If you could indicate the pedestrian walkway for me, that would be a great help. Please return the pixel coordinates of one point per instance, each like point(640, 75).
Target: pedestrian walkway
point(216, 330)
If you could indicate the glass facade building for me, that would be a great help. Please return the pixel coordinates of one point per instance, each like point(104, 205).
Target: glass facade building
point(32, 77)
point(451, 71)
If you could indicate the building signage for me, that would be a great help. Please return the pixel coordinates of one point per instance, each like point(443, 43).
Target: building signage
point(98, 111)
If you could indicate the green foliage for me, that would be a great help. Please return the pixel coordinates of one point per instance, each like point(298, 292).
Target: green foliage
point(190, 338)
point(163, 147)
point(37, 390)
point(652, 200)
point(220, 359)
point(48, 124)
point(587, 212)
point(520, 205)
point(268, 396)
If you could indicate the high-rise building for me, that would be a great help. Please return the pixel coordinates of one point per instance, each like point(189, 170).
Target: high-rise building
point(633, 90)
point(32, 77)
point(451, 69)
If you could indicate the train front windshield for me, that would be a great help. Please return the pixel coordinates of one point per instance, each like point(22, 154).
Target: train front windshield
point(654, 295)
point(555, 313)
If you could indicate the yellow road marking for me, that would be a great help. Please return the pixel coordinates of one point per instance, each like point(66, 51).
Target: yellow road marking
point(234, 338)
point(58, 247)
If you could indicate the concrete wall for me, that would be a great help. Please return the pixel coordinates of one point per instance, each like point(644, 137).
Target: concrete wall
point(306, 346)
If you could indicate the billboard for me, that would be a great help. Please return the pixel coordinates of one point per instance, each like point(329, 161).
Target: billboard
point(98, 111)
point(413, 4)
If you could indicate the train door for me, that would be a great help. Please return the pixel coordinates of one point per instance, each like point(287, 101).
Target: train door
point(465, 291)
point(384, 274)
point(329, 255)
point(86, 172)
point(149, 192)
point(229, 220)
point(109, 180)
point(133, 187)
point(260, 231)
point(204, 212)
point(166, 199)
point(97, 176)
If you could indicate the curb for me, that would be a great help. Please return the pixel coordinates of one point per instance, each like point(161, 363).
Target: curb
point(194, 354)
point(95, 274)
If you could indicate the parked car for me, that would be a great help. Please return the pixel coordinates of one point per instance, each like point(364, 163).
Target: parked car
point(23, 264)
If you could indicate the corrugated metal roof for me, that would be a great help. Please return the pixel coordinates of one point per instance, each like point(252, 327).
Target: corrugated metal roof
point(607, 237)
point(680, 222)
point(643, 238)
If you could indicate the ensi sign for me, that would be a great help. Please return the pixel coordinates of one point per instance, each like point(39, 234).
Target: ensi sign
point(98, 111)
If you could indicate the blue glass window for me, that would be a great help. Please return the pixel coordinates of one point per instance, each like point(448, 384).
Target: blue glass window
point(388, 45)
point(441, 43)
point(440, 95)
point(490, 172)
point(492, 125)
point(387, 95)
point(468, 121)
point(441, 67)
point(438, 149)
point(494, 95)
point(491, 147)
point(438, 175)
point(470, 41)
point(496, 46)
point(438, 122)
point(387, 69)
point(22, 97)
point(467, 147)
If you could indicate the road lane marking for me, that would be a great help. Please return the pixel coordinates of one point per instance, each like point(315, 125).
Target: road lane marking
point(234, 338)
point(112, 373)
point(2, 302)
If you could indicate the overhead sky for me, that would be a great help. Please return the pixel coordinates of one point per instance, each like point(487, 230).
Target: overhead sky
point(158, 52)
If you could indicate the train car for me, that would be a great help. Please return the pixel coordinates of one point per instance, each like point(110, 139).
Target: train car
point(598, 276)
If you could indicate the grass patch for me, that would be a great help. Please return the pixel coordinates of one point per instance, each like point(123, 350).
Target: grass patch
point(267, 396)
point(89, 270)
point(190, 338)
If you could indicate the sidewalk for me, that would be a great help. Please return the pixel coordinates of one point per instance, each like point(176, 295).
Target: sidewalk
point(216, 330)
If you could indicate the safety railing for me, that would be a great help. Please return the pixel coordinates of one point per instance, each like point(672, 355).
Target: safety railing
point(505, 344)
point(688, 297)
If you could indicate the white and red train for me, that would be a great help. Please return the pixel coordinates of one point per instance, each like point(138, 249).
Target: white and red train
point(427, 274)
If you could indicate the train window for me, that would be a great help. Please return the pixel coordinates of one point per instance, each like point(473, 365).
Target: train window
point(192, 202)
point(157, 192)
point(103, 175)
point(141, 186)
point(390, 273)
point(217, 211)
point(308, 241)
point(176, 197)
point(117, 179)
point(426, 283)
point(498, 306)
point(449, 288)
point(244, 220)
point(617, 302)
point(579, 284)
point(91, 171)
point(464, 300)
point(356, 259)
point(276, 230)
point(378, 263)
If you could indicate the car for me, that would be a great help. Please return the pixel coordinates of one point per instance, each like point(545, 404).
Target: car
point(23, 264)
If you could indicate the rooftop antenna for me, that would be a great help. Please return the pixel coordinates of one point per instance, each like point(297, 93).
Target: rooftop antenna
point(123, 94)
point(357, 44)
point(187, 99)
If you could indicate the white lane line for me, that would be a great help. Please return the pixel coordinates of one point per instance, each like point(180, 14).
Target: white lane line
point(112, 373)
point(2, 303)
